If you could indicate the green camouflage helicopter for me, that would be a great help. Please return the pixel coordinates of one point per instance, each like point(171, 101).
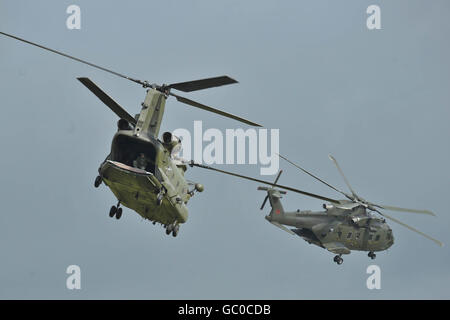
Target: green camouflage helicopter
point(145, 173)
point(345, 225)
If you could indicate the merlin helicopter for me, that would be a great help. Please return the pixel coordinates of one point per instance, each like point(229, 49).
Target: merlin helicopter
point(145, 173)
point(345, 225)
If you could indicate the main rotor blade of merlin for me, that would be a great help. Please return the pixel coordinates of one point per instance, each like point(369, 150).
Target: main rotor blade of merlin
point(210, 109)
point(404, 209)
point(342, 174)
point(267, 196)
point(315, 177)
point(143, 83)
point(114, 106)
point(411, 228)
point(195, 85)
point(193, 164)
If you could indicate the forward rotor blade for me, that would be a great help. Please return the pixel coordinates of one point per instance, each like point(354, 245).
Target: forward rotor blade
point(114, 106)
point(315, 177)
point(405, 209)
point(193, 164)
point(76, 59)
point(411, 228)
point(210, 109)
point(189, 86)
point(343, 176)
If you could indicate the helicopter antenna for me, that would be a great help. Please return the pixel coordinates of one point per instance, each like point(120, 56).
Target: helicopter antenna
point(187, 86)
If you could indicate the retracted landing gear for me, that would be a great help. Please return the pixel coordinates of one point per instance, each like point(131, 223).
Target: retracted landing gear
point(371, 255)
point(116, 211)
point(338, 259)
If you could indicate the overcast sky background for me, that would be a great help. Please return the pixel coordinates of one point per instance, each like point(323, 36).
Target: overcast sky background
point(377, 100)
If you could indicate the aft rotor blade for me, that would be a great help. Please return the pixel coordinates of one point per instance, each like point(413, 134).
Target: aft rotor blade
point(189, 86)
point(114, 106)
point(193, 164)
point(405, 209)
point(76, 59)
point(343, 176)
point(210, 109)
point(411, 228)
point(315, 177)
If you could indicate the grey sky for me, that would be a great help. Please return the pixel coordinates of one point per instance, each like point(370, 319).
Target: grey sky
point(377, 100)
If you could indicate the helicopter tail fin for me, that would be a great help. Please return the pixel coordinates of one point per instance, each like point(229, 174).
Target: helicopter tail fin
point(275, 202)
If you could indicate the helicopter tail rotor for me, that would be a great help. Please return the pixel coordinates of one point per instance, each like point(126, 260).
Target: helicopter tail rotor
point(267, 189)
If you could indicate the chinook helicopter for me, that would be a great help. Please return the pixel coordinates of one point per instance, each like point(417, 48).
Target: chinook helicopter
point(143, 172)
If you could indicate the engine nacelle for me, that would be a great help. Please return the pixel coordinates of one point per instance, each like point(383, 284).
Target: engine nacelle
point(171, 142)
point(360, 220)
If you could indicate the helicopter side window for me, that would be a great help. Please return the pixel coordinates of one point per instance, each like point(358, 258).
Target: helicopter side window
point(349, 235)
point(371, 236)
point(377, 237)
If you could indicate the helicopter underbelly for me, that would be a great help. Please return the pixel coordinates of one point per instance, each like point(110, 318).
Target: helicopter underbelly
point(138, 190)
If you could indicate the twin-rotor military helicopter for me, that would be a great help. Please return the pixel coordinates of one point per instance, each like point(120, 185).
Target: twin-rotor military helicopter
point(146, 175)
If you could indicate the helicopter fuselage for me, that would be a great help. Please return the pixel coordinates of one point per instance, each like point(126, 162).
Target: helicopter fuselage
point(354, 231)
point(157, 189)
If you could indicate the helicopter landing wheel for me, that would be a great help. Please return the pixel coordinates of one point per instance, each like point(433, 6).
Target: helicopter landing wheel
point(175, 231)
point(118, 213)
point(338, 260)
point(372, 255)
point(169, 229)
point(112, 211)
point(98, 181)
